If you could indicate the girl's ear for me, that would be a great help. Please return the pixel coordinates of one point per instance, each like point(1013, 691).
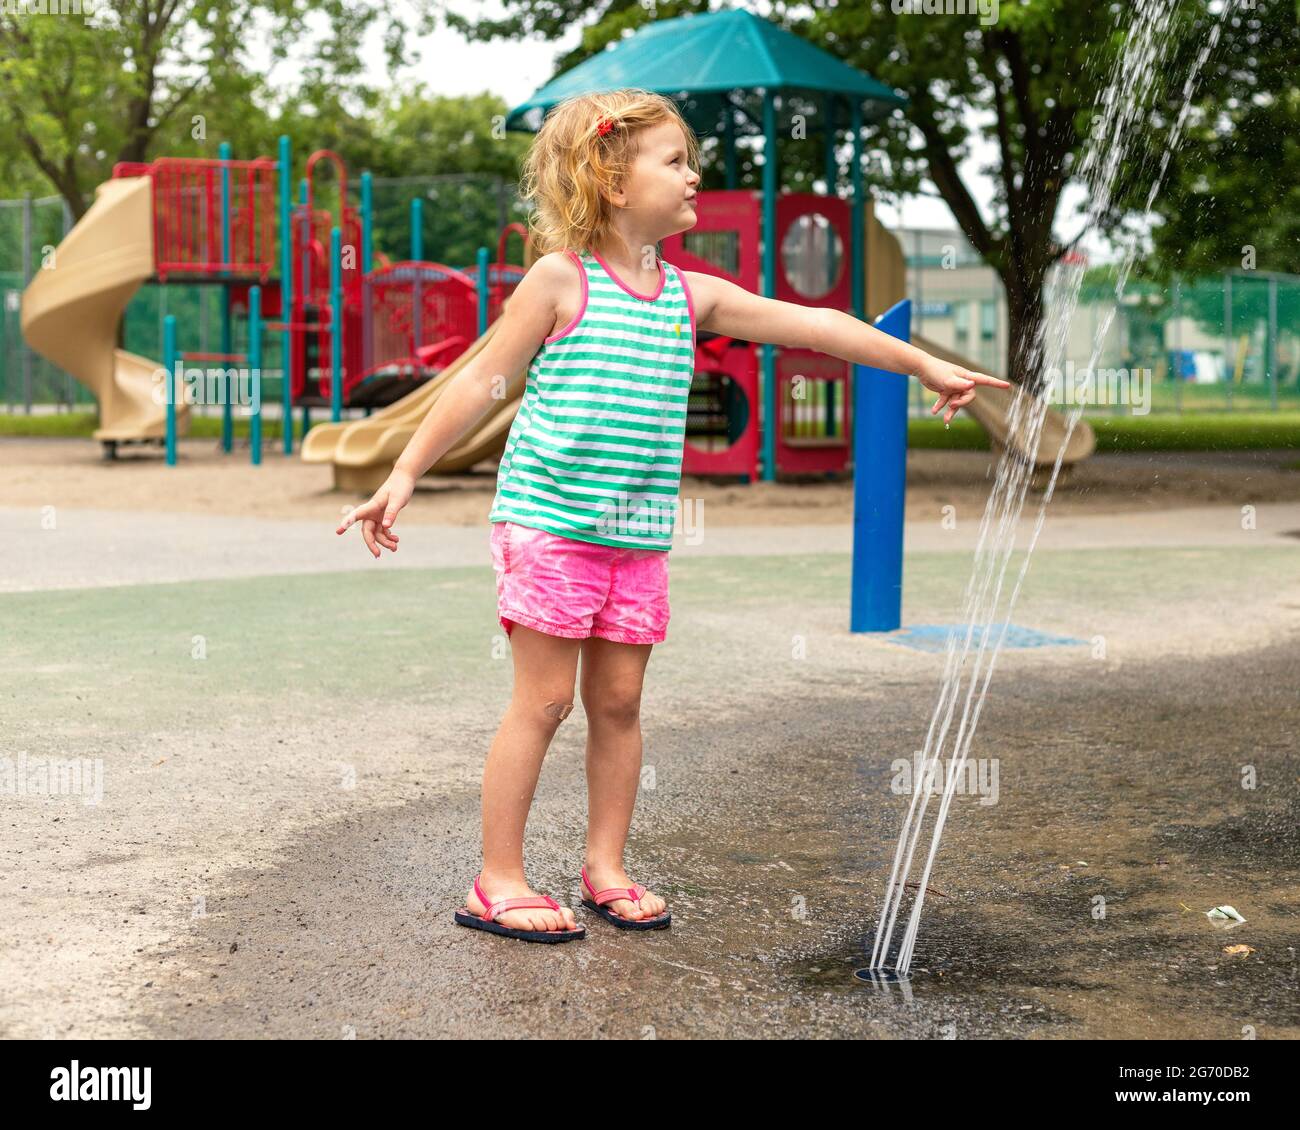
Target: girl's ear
point(616, 195)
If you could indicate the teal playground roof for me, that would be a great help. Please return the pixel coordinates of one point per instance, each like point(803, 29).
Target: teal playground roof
point(703, 62)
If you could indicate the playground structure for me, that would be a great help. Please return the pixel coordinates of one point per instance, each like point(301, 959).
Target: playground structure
point(724, 421)
point(814, 404)
point(356, 330)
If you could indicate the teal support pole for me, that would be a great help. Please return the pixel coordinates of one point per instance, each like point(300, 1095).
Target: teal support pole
point(286, 288)
point(832, 266)
point(483, 283)
point(1271, 342)
point(169, 363)
point(367, 235)
point(224, 152)
point(227, 345)
point(769, 281)
point(879, 486)
point(417, 255)
point(336, 325)
point(305, 280)
point(417, 229)
point(304, 283)
point(255, 373)
point(858, 253)
point(857, 239)
point(729, 141)
point(828, 144)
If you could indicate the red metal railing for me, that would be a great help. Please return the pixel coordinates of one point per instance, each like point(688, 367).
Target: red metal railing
point(188, 216)
point(421, 316)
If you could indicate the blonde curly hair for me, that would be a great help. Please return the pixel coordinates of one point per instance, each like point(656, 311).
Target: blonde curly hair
point(572, 164)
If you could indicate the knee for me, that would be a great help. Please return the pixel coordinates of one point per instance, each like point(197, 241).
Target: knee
point(546, 711)
point(557, 710)
point(619, 710)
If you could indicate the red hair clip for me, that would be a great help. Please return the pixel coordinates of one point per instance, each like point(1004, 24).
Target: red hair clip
point(606, 124)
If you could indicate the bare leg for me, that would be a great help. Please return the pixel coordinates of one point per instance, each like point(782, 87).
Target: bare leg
point(545, 667)
point(612, 677)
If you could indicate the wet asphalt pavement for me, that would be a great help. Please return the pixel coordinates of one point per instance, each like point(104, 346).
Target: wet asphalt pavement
point(775, 875)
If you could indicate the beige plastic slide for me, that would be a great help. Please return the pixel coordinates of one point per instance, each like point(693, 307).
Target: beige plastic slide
point(363, 451)
point(992, 409)
point(71, 310)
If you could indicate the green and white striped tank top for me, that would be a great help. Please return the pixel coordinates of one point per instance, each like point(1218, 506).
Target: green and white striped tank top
point(595, 451)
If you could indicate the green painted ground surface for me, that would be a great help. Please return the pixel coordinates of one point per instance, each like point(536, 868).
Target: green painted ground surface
point(426, 637)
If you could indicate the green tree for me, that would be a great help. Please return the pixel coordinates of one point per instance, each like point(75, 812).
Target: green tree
point(462, 162)
point(136, 77)
point(1231, 195)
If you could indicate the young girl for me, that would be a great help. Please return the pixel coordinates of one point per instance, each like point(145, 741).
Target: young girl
point(587, 486)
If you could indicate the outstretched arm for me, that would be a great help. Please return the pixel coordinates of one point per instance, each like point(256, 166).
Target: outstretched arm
point(721, 307)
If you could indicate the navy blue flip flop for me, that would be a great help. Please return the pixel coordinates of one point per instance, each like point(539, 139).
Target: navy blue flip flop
point(466, 917)
point(632, 894)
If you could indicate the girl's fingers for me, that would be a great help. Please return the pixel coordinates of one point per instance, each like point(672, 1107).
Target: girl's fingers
point(985, 379)
point(958, 402)
point(387, 540)
point(368, 533)
point(938, 404)
point(357, 514)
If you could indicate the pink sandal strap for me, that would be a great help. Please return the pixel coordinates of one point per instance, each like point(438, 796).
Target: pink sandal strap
point(541, 902)
point(611, 894)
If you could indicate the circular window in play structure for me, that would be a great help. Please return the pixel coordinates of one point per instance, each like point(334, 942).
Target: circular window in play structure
point(717, 411)
point(812, 255)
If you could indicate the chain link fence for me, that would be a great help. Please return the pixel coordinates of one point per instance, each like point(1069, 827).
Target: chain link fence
point(1227, 343)
point(1230, 342)
point(459, 214)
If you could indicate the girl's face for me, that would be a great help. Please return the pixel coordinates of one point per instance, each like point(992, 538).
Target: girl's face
point(661, 185)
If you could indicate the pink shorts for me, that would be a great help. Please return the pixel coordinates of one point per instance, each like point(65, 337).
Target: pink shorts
point(571, 588)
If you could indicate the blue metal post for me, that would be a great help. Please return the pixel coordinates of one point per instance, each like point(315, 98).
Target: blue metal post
point(169, 363)
point(769, 281)
point(483, 284)
point(336, 325)
point(255, 372)
point(879, 485)
point(286, 287)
